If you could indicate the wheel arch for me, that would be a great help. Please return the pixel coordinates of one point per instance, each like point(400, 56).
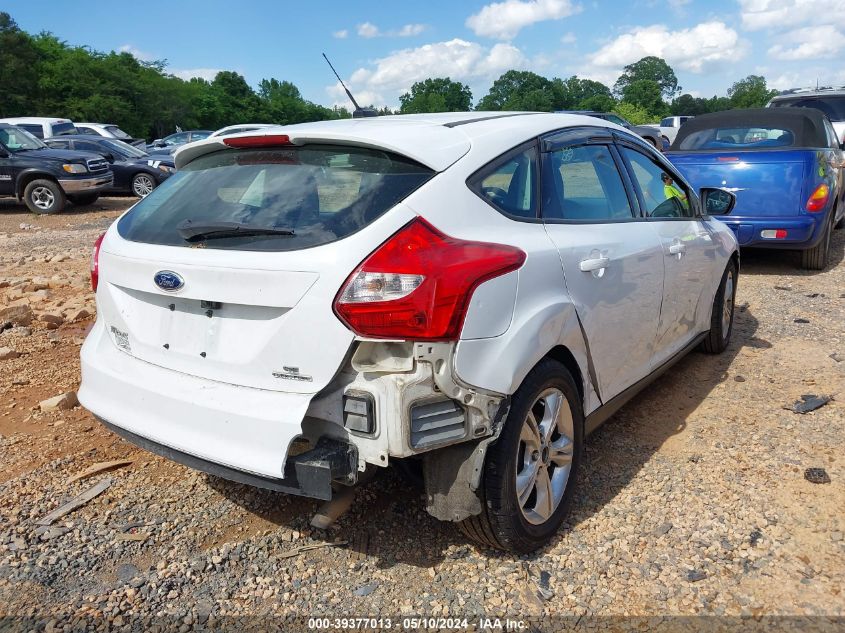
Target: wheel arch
point(26, 177)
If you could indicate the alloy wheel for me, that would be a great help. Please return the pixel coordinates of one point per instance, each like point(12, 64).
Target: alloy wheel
point(544, 456)
point(142, 186)
point(728, 303)
point(42, 198)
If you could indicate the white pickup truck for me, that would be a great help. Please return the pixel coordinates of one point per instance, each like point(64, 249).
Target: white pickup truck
point(670, 125)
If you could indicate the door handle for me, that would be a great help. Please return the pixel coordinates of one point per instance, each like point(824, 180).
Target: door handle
point(677, 249)
point(594, 263)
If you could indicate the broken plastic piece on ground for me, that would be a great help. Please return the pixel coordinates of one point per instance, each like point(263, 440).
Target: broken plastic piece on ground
point(799, 320)
point(817, 476)
point(332, 509)
point(77, 502)
point(810, 402)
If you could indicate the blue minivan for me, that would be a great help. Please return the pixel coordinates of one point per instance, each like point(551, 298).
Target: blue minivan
point(785, 166)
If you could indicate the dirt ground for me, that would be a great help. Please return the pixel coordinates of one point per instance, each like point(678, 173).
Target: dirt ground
point(693, 499)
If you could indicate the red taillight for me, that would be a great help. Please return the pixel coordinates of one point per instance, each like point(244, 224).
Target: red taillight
point(818, 200)
point(417, 285)
point(270, 140)
point(95, 263)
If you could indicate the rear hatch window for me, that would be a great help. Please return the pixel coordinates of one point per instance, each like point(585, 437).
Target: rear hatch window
point(738, 138)
point(309, 195)
point(833, 107)
point(60, 129)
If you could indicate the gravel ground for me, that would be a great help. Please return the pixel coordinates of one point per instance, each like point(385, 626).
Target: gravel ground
point(692, 502)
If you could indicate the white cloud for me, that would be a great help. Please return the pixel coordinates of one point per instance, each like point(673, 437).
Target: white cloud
point(809, 42)
point(678, 4)
point(137, 53)
point(786, 14)
point(341, 35)
point(469, 62)
point(410, 30)
point(503, 20)
point(369, 30)
point(694, 49)
point(568, 38)
point(203, 73)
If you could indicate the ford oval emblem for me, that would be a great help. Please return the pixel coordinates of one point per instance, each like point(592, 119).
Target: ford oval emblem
point(168, 280)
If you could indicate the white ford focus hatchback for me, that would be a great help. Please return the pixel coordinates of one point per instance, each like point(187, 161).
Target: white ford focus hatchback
point(474, 293)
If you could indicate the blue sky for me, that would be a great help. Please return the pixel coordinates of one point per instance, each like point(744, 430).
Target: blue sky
point(381, 48)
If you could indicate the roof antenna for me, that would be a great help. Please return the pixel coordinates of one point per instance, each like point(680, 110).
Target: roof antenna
point(359, 112)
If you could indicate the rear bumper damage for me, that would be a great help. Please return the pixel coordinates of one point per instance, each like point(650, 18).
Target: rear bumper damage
point(309, 474)
point(389, 401)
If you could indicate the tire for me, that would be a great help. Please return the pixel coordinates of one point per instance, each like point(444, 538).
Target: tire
point(44, 197)
point(722, 316)
point(83, 199)
point(143, 184)
point(505, 523)
point(651, 141)
point(816, 258)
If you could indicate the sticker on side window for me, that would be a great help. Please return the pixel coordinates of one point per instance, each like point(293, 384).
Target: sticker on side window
point(121, 339)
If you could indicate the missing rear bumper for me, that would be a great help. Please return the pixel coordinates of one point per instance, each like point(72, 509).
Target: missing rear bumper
point(309, 474)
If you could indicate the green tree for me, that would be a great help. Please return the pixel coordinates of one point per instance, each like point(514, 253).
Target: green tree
point(632, 113)
point(645, 94)
point(573, 93)
point(18, 68)
point(436, 95)
point(649, 68)
point(750, 92)
point(511, 92)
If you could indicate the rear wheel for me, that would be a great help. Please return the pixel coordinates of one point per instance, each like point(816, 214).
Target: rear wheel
point(44, 197)
point(83, 199)
point(530, 472)
point(143, 184)
point(816, 258)
point(722, 317)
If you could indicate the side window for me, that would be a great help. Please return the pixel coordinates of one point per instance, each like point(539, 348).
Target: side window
point(510, 184)
point(583, 183)
point(182, 137)
point(85, 130)
point(36, 130)
point(662, 196)
point(197, 136)
point(87, 146)
point(58, 144)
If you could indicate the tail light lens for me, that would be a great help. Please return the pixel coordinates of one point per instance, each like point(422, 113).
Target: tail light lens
point(417, 285)
point(818, 200)
point(95, 263)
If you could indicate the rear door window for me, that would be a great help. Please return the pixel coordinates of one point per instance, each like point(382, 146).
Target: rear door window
point(582, 183)
point(321, 193)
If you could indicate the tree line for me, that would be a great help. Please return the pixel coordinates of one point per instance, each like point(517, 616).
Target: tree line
point(41, 75)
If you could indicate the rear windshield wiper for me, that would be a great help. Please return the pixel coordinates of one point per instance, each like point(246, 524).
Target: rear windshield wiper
point(197, 231)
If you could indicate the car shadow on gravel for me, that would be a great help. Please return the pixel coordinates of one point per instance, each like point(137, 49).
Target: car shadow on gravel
point(757, 261)
point(617, 452)
point(388, 520)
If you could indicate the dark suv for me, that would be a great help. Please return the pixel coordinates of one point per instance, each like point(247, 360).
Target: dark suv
point(45, 178)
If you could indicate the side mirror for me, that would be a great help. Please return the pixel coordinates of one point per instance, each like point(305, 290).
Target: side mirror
point(717, 201)
point(109, 157)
